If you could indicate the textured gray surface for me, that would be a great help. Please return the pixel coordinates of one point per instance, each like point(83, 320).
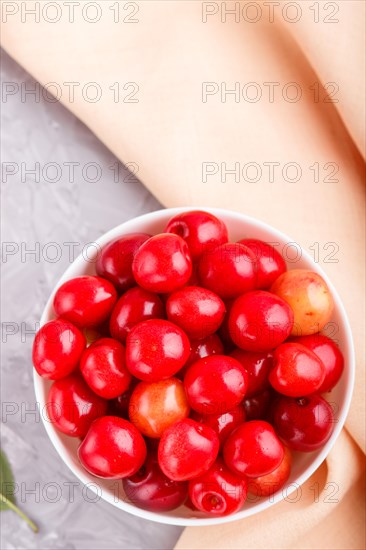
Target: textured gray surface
point(39, 218)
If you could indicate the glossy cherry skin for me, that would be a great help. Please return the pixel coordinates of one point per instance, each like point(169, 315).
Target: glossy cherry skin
point(103, 366)
point(198, 311)
point(222, 423)
point(218, 492)
point(211, 345)
point(257, 365)
point(253, 449)
point(201, 230)
point(309, 297)
point(296, 371)
point(265, 486)
point(215, 384)
point(330, 355)
point(156, 406)
point(113, 448)
point(260, 321)
point(86, 301)
point(270, 264)
point(115, 260)
point(156, 350)
point(257, 407)
point(72, 406)
point(304, 424)
point(187, 449)
point(152, 490)
point(57, 349)
point(135, 306)
point(229, 270)
point(162, 264)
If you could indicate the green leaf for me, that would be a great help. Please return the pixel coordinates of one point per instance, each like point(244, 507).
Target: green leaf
point(7, 482)
point(7, 486)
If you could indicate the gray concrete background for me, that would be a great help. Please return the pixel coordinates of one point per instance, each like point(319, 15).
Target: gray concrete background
point(47, 218)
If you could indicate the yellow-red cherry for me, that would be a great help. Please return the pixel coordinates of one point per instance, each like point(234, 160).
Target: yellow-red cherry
point(265, 486)
point(155, 406)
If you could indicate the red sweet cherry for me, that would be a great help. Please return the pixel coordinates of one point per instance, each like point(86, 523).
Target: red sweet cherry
point(187, 449)
point(265, 486)
point(257, 407)
point(162, 264)
point(260, 321)
point(304, 424)
point(211, 345)
point(330, 355)
point(152, 490)
point(115, 260)
point(156, 350)
point(222, 423)
point(218, 491)
point(258, 366)
point(86, 301)
point(270, 263)
point(72, 406)
point(198, 311)
point(229, 270)
point(297, 371)
point(215, 384)
point(135, 306)
point(57, 349)
point(113, 448)
point(103, 366)
point(201, 230)
point(253, 449)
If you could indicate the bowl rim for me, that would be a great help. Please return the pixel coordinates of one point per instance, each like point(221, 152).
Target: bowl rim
point(87, 478)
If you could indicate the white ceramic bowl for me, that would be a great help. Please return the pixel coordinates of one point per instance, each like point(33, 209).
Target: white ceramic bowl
point(304, 464)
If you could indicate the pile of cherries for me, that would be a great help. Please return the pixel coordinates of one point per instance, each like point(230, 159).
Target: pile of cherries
point(191, 366)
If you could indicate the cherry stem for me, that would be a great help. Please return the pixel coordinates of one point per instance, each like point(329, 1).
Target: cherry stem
point(15, 509)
